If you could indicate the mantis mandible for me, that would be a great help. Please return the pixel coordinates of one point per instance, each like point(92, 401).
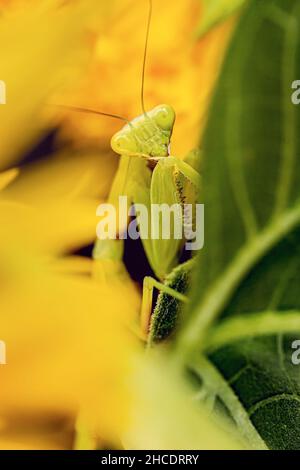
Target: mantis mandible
point(148, 174)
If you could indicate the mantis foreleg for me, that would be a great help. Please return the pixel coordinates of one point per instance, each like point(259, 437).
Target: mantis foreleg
point(187, 170)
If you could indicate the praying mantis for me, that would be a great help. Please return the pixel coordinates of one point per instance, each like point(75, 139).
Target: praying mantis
point(149, 175)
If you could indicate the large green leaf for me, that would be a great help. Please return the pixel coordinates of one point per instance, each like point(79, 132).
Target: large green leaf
point(246, 299)
point(216, 11)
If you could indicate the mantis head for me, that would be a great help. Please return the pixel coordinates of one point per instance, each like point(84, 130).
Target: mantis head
point(147, 135)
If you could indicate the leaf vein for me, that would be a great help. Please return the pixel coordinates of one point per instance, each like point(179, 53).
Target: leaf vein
point(273, 399)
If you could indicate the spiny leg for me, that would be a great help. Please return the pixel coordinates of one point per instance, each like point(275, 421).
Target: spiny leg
point(187, 170)
point(149, 285)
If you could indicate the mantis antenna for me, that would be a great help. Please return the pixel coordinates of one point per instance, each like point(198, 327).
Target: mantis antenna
point(115, 116)
point(145, 55)
point(92, 111)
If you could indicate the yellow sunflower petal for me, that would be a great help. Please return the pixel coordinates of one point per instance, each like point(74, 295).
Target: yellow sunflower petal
point(38, 47)
point(67, 348)
point(63, 176)
point(7, 177)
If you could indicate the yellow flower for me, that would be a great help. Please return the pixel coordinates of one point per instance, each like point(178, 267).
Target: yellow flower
point(41, 48)
point(68, 344)
point(64, 192)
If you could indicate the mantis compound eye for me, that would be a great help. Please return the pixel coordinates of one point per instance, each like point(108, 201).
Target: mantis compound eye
point(123, 143)
point(164, 117)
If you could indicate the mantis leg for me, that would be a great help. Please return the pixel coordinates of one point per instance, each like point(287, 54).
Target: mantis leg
point(148, 286)
point(187, 170)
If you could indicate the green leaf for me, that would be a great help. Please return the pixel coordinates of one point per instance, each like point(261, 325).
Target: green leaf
point(216, 11)
point(250, 264)
point(215, 386)
point(261, 374)
point(246, 326)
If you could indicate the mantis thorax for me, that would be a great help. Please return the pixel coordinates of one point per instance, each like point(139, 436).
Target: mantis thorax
point(147, 135)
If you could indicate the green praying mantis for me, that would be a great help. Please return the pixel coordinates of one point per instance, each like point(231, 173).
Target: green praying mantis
point(149, 175)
